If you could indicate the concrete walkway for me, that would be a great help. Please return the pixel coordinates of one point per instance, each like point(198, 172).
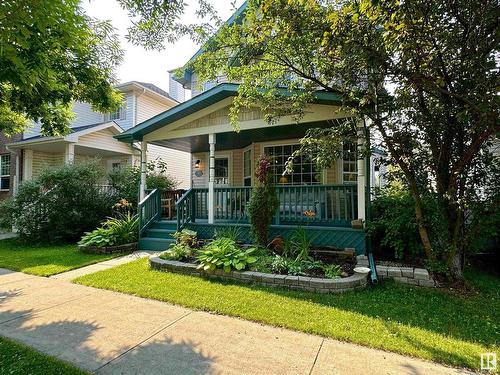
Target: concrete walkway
point(112, 333)
point(73, 274)
point(7, 235)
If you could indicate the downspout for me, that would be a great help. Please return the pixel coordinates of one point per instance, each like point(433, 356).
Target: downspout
point(368, 203)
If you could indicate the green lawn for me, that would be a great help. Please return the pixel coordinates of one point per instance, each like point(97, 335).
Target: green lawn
point(19, 359)
point(44, 260)
point(426, 323)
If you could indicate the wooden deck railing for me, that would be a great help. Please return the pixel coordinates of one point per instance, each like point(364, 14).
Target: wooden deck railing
point(334, 205)
point(149, 210)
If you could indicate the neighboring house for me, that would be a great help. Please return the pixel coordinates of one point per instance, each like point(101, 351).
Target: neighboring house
point(92, 133)
point(223, 163)
point(7, 166)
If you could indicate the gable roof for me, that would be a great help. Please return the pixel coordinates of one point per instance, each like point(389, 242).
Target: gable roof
point(235, 18)
point(148, 86)
point(201, 101)
point(73, 134)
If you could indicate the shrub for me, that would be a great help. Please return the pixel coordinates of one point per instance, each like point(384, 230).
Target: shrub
point(61, 203)
point(185, 241)
point(113, 232)
point(6, 208)
point(224, 253)
point(393, 227)
point(178, 251)
point(263, 202)
point(126, 180)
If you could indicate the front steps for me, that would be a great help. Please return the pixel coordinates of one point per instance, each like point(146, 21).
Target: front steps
point(159, 236)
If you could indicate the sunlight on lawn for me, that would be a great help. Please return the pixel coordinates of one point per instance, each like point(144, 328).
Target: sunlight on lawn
point(420, 322)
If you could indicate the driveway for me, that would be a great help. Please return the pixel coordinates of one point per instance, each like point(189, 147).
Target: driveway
point(112, 333)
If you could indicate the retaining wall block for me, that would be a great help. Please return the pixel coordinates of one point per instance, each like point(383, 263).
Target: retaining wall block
point(292, 280)
point(279, 279)
point(429, 283)
point(421, 274)
point(394, 272)
point(407, 272)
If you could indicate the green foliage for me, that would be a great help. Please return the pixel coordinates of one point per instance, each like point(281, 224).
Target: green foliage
point(178, 251)
point(186, 237)
point(61, 203)
point(6, 209)
point(224, 253)
point(394, 228)
point(53, 54)
point(332, 271)
point(233, 232)
point(263, 202)
point(126, 180)
point(113, 232)
point(299, 245)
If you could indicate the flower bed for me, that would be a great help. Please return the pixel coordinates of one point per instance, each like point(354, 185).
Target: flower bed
point(314, 284)
point(126, 248)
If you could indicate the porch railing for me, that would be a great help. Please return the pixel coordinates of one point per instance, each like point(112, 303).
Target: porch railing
point(185, 209)
point(334, 205)
point(149, 210)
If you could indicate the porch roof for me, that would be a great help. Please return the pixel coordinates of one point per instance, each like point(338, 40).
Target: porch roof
point(199, 102)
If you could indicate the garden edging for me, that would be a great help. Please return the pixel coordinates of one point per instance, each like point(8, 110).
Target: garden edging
point(126, 248)
point(405, 275)
point(311, 284)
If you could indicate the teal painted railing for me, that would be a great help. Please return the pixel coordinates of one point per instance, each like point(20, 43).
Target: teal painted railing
point(149, 210)
point(334, 205)
point(185, 209)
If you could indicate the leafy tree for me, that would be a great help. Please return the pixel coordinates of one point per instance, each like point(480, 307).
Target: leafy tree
point(422, 74)
point(52, 54)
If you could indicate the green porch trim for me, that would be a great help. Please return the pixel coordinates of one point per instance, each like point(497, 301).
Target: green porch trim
point(202, 101)
point(320, 236)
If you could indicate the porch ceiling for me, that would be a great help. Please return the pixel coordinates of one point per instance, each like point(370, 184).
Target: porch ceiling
point(234, 140)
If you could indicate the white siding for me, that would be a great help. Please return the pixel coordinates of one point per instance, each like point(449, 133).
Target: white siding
point(148, 107)
point(103, 140)
point(84, 115)
point(178, 163)
point(128, 121)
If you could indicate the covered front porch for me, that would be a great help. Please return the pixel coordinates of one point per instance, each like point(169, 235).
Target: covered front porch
point(223, 161)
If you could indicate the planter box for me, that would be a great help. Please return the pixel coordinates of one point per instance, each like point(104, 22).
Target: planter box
point(311, 284)
point(126, 248)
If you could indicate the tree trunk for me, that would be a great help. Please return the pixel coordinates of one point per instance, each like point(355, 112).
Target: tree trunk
point(455, 266)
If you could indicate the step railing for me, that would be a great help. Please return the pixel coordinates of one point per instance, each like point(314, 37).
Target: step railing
point(334, 205)
point(149, 210)
point(185, 208)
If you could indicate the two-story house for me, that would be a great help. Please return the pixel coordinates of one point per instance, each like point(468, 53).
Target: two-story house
point(330, 202)
point(92, 135)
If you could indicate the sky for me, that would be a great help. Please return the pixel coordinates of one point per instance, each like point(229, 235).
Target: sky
point(140, 64)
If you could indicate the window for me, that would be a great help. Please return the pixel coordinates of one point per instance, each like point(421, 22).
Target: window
point(4, 172)
point(247, 168)
point(119, 114)
point(222, 171)
point(304, 171)
point(116, 166)
point(349, 163)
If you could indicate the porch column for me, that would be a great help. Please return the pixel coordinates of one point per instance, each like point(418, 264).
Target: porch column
point(211, 179)
point(361, 171)
point(15, 185)
point(144, 161)
point(69, 153)
point(27, 165)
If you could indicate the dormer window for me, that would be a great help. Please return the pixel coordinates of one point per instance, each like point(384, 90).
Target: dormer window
point(119, 114)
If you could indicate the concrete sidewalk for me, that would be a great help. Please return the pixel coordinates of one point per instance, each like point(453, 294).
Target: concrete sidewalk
point(112, 333)
point(73, 274)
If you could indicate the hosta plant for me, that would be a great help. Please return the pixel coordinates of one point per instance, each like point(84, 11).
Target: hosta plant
point(113, 232)
point(224, 253)
point(178, 251)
